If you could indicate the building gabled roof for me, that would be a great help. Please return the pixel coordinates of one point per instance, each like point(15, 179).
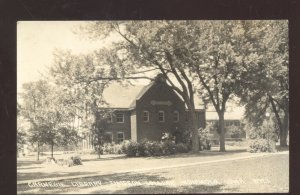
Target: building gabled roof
point(120, 96)
point(125, 96)
point(141, 93)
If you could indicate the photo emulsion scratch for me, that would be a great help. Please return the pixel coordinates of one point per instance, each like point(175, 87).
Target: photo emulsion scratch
point(151, 107)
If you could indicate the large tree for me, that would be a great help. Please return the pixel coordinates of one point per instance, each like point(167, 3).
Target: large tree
point(266, 83)
point(217, 61)
point(44, 109)
point(74, 75)
point(214, 54)
point(187, 53)
point(151, 45)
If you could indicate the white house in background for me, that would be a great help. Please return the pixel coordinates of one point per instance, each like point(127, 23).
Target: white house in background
point(233, 116)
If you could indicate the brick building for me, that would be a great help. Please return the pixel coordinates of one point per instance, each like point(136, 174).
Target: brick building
point(146, 112)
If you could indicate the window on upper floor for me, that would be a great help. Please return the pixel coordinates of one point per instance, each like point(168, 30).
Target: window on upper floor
point(176, 116)
point(120, 117)
point(145, 116)
point(161, 116)
point(120, 137)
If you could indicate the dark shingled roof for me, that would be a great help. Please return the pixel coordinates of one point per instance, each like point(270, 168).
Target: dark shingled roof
point(120, 96)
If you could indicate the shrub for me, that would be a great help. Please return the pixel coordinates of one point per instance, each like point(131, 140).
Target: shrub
point(143, 147)
point(153, 149)
point(181, 148)
point(261, 138)
point(108, 148)
point(235, 131)
point(261, 145)
point(70, 161)
point(168, 147)
point(117, 149)
point(130, 148)
point(50, 160)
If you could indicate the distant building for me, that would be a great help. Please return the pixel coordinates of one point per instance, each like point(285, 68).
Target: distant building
point(233, 116)
point(147, 112)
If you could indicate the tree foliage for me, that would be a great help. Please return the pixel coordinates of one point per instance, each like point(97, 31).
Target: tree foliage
point(45, 111)
point(265, 84)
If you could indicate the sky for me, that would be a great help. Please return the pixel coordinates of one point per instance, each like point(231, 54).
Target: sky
point(36, 41)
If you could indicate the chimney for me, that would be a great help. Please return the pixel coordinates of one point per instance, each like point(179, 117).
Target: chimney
point(160, 78)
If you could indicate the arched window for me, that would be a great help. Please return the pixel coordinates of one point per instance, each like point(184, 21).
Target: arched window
point(176, 116)
point(146, 116)
point(161, 116)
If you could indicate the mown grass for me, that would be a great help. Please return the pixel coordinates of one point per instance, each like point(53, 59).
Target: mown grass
point(261, 174)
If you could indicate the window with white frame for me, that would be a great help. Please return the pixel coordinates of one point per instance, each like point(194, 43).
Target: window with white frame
point(161, 116)
point(145, 116)
point(176, 116)
point(120, 137)
point(120, 117)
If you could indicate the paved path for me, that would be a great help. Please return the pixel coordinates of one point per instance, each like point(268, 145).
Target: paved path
point(153, 167)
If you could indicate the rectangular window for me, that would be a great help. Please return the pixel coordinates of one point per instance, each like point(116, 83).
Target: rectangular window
point(120, 117)
point(161, 116)
point(146, 116)
point(176, 116)
point(120, 137)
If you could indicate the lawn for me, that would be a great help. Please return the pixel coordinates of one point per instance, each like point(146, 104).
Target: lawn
point(260, 174)
point(28, 168)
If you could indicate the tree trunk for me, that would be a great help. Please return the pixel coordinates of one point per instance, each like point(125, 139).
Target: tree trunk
point(195, 134)
point(52, 144)
point(282, 127)
point(284, 130)
point(99, 151)
point(222, 131)
point(38, 151)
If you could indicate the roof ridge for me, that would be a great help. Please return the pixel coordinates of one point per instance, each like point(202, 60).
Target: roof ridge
point(141, 93)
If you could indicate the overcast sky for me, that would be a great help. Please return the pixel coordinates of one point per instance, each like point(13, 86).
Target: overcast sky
point(36, 41)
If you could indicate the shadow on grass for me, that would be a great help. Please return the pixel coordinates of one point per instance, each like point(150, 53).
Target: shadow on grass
point(43, 175)
point(170, 190)
point(205, 153)
point(105, 181)
point(105, 158)
point(25, 167)
point(122, 183)
point(21, 163)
